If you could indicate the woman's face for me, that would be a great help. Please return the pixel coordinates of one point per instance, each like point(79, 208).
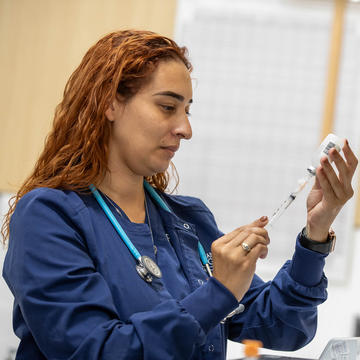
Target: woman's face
point(147, 128)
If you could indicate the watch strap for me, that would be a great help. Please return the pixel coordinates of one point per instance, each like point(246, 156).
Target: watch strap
point(325, 247)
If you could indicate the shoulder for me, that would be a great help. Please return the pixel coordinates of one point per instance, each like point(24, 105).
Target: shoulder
point(191, 209)
point(50, 214)
point(47, 199)
point(185, 203)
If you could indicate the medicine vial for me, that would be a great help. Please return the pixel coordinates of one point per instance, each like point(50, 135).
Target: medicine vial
point(331, 141)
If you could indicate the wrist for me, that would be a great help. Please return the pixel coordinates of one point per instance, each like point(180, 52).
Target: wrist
point(319, 235)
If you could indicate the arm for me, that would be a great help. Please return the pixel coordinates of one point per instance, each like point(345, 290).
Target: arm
point(67, 305)
point(283, 313)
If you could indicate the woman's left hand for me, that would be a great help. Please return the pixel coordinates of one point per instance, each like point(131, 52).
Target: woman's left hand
point(330, 192)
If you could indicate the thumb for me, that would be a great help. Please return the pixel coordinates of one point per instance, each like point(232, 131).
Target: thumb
point(316, 185)
point(261, 222)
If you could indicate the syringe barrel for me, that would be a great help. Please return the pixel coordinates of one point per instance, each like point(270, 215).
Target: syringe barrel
point(280, 210)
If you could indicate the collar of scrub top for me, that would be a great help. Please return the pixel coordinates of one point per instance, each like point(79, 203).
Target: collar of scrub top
point(146, 267)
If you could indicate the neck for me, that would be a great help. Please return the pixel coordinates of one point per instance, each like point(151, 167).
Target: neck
point(128, 193)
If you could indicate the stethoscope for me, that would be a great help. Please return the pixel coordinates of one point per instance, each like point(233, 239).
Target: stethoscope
point(146, 267)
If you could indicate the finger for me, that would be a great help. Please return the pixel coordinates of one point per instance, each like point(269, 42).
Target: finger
point(260, 231)
point(259, 251)
point(247, 244)
point(229, 236)
point(345, 174)
point(316, 185)
point(350, 157)
point(250, 236)
point(324, 183)
point(341, 165)
point(333, 180)
point(345, 171)
point(261, 222)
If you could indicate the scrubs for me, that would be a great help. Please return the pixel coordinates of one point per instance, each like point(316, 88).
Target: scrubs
point(78, 295)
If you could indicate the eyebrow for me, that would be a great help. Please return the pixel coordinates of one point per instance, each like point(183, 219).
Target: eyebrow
point(173, 94)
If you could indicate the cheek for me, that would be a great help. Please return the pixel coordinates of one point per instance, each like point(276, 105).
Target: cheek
point(154, 131)
point(142, 128)
point(148, 135)
point(141, 140)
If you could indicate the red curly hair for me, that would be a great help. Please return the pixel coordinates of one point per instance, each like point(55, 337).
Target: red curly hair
point(75, 154)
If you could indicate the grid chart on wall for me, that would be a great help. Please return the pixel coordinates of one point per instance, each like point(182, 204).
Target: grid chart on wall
point(259, 81)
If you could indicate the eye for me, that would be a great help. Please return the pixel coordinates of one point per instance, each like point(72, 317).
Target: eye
point(168, 108)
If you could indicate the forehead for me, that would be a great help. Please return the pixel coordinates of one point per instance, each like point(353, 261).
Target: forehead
point(170, 75)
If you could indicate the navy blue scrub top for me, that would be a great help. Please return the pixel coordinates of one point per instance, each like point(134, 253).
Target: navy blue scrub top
point(78, 295)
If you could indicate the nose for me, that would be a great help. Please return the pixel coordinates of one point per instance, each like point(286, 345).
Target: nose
point(183, 128)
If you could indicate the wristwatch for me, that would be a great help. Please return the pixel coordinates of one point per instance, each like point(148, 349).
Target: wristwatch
point(321, 247)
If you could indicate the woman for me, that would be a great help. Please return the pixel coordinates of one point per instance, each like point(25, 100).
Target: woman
point(84, 290)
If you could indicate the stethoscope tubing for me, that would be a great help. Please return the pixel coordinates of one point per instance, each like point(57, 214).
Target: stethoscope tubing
point(122, 233)
point(115, 223)
point(156, 196)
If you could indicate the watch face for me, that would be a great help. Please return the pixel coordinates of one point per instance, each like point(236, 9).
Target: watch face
point(151, 266)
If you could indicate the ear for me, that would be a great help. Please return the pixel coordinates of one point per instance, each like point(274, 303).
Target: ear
point(114, 109)
point(111, 111)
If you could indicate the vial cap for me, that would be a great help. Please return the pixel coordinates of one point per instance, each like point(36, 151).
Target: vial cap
point(252, 347)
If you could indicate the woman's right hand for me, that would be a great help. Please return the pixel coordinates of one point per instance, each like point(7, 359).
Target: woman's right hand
point(234, 266)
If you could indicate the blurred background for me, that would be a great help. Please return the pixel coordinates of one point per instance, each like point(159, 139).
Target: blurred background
point(271, 78)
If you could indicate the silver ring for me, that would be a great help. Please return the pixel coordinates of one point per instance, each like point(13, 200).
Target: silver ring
point(245, 246)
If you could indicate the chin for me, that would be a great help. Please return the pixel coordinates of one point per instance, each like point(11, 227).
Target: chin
point(160, 168)
point(154, 165)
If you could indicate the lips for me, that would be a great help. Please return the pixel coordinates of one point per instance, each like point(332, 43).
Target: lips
point(172, 148)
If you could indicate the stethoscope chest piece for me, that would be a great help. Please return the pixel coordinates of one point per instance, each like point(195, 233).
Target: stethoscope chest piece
point(147, 269)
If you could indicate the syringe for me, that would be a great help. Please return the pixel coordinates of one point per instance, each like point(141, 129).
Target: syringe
point(285, 204)
point(331, 141)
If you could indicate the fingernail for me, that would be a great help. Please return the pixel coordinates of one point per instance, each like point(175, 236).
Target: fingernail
point(263, 218)
point(346, 142)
